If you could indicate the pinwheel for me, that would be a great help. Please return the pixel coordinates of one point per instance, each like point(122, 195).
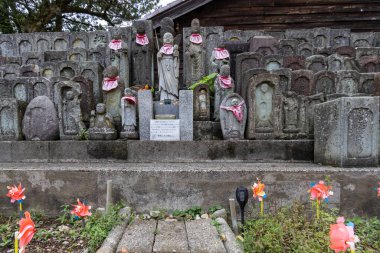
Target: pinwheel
point(81, 211)
point(16, 194)
point(258, 193)
point(342, 236)
point(25, 234)
point(318, 192)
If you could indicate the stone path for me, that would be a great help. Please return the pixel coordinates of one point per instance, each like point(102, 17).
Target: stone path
point(196, 236)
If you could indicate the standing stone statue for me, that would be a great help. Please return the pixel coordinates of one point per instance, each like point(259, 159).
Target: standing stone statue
point(101, 124)
point(264, 106)
point(202, 103)
point(168, 69)
point(113, 88)
point(69, 110)
point(119, 56)
point(233, 117)
point(219, 57)
point(291, 112)
point(142, 61)
point(224, 85)
point(128, 115)
point(194, 61)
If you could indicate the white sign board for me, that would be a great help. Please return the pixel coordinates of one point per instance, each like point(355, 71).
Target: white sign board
point(164, 130)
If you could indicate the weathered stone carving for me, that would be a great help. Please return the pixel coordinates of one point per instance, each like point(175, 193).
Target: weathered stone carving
point(69, 110)
point(219, 57)
point(367, 84)
point(167, 26)
point(302, 82)
point(11, 114)
point(233, 117)
point(288, 47)
point(194, 56)
point(113, 88)
point(87, 102)
point(119, 57)
point(347, 132)
point(273, 62)
point(40, 121)
point(101, 124)
point(307, 113)
point(285, 78)
point(321, 37)
point(347, 82)
point(142, 53)
point(324, 82)
point(335, 62)
point(241, 35)
point(31, 70)
point(202, 103)
point(366, 51)
point(235, 48)
point(340, 37)
point(129, 115)
point(247, 76)
point(224, 85)
point(291, 108)
point(346, 51)
point(168, 69)
point(294, 62)
point(244, 62)
point(32, 58)
point(264, 45)
point(264, 103)
point(302, 35)
point(316, 63)
point(369, 64)
point(305, 49)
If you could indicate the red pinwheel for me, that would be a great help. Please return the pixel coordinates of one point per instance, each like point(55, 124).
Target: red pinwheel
point(16, 193)
point(320, 191)
point(81, 210)
point(26, 232)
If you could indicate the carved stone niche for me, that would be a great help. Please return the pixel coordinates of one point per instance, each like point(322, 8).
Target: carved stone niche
point(305, 49)
point(376, 86)
point(68, 69)
point(202, 103)
point(77, 55)
point(241, 35)
point(87, 102)
point(324, 82)
point(60, 41)
point(5, 88)
point(24, 43)
point(247, 75)
point(264, 103)
point(235, 48)
point(32, 58)
point(233, 117)
point(316, 63)
point(264, 45)
point(294, 62)
point(288, 47)
point(292, 116)
point(301, 35)
point(369, 64)
point(340, 37)
point(367, 84)
point(7, 46)
point(346, 51)
point(69, 110)
point(30, 70)
point(99, 55)
point(376, 40)
point(347, 132)
point(335, 62)
point(366, 51)
point(302, 82)
point(285, 78)
point(321, 37)
point(55, 56)
point(78, 40)
point(325, 51)
point(42, 42)
point(273, 62)
point(49, 70)
point(10, 60)
point(347, 82)
point(11, 115)
point(244, 62)
point(362, 39)
point(10, 70)
point(307, 113)
point(94, 72)
point(39, 86)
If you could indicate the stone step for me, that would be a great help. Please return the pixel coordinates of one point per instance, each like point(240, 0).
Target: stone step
point(171, 237)
point(203, 237)
point(138, 237)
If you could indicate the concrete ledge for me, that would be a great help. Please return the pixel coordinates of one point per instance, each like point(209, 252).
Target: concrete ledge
point(146, 186)
point(150, 151)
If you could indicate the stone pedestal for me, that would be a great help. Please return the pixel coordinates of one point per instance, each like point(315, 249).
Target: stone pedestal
point(186, 114)
point(145, 101)
point(11, 114)
point(346, 132)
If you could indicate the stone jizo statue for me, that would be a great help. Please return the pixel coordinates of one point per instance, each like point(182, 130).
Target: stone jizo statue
point(119, 56)
point(233, 117)
point(224, 85)
point(141, 56)
point(113, 87)
point(219, 57)
point(168, 69)
point(101, 124)
point(128, 114)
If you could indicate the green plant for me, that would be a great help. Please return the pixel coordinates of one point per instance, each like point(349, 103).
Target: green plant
point(294, 229)
point(66, 217)
point(83, 134)
point(217, 225)
point(208, 80)
point(188, 214)
point(214, 208)
point(98, 226)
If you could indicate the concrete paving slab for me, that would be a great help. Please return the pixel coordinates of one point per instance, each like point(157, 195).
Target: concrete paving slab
point(171, 237)
point(138, 237)
point(203, 237)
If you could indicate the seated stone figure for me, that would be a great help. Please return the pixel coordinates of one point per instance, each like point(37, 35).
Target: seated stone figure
point(101, 124)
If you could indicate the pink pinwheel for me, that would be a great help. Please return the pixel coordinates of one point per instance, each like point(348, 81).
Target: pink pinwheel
point(26, 232)
point(16, 193)
point(81, 210)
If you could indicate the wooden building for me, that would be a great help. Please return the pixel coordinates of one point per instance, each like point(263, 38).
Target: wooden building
point(274, 15)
